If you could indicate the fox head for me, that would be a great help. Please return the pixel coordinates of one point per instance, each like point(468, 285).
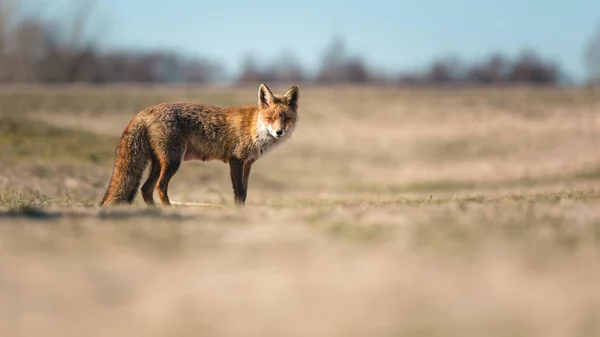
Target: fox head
point(278, 114)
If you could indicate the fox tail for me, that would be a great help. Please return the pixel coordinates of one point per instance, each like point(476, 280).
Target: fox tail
point(132, 157)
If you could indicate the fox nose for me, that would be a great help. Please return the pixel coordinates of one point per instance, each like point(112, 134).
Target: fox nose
point(279, 132)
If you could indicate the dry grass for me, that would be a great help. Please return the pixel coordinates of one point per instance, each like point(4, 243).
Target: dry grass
point(390, 213)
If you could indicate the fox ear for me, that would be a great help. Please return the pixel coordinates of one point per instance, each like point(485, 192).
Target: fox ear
point(292, 96)
point(265, 96)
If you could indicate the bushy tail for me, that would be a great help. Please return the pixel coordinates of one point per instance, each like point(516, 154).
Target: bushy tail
point(132, 157)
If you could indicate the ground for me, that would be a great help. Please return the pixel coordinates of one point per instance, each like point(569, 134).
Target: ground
point(390, 212)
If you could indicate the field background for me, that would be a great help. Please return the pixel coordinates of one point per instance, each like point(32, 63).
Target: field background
point(390, 212)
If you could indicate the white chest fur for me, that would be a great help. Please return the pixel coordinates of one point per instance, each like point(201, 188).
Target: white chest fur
point(265, 141)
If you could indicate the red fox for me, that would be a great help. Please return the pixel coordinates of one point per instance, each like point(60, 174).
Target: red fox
point(166, 134)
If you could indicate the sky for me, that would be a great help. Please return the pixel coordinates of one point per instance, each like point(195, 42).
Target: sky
point(390, 35)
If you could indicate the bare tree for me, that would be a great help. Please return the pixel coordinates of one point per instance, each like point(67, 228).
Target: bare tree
point(287, 68)
point(592, 59)
point(79, 27)
point(495, 69)
point(35, 48)
point(338, 66)
point(530, 68)
point(200, 70)
point(69, 52)
point(446, 70)
point(250, 71)
point(7, 15)
point(29, 48)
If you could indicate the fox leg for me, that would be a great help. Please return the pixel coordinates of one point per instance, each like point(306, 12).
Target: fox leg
point(170, 160)
point(246, 176)
point(150, 184)
point(167, 170)
point(237, 180)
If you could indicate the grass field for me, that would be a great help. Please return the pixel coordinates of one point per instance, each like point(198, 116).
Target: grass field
point(391, 212)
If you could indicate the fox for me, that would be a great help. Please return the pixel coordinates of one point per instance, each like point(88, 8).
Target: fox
point(167, 134)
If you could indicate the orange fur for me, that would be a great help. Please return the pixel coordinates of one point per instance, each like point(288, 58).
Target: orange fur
point(169, 133)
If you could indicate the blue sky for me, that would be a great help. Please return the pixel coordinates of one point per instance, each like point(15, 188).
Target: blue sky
point(395, 35)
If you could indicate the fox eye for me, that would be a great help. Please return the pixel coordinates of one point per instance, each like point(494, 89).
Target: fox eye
point(270, 119)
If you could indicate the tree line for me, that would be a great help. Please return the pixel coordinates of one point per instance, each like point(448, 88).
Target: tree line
point(33, 49)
